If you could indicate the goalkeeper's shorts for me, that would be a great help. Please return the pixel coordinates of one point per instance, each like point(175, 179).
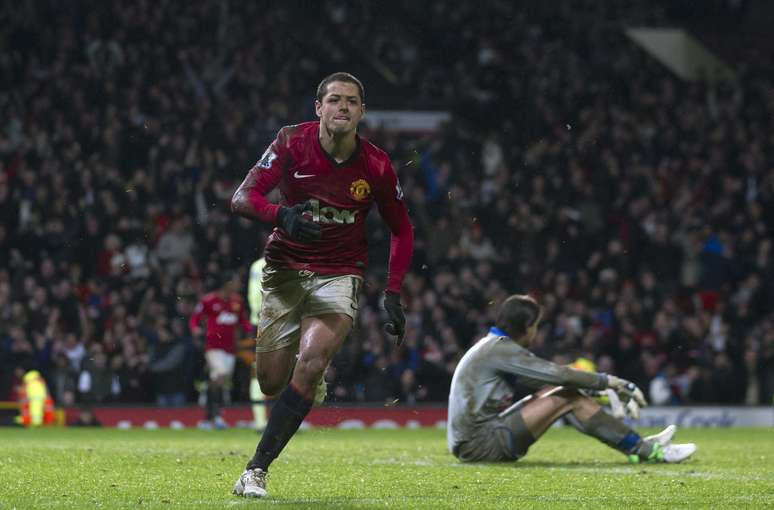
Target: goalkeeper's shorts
point(290, 295)
point(497, 440)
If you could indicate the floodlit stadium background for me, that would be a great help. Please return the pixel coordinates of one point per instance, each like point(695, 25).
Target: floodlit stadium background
point(620, 172)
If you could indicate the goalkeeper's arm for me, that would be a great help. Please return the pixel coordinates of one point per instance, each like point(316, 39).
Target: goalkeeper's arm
point(534, 371)
point(537, 372)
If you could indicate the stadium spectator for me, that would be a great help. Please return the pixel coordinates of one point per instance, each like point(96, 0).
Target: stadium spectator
point(605, 184)
point(167, 365)
point(175, 247)
point(62, 381)
point(96, 382)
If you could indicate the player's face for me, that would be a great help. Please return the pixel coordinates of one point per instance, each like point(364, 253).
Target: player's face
point(341, 108)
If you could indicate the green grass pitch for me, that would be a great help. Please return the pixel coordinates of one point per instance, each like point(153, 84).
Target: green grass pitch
point(166, 469)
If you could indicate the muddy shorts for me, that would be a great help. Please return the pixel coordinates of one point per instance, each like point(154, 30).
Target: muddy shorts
point(290, 295)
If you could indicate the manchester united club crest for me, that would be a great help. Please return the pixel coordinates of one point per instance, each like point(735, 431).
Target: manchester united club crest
point(360, 189)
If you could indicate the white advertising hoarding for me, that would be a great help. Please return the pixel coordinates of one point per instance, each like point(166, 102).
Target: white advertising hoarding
point(707, 417)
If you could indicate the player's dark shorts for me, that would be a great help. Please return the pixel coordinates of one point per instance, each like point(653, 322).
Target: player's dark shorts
point(290, 295)
point(497, 440)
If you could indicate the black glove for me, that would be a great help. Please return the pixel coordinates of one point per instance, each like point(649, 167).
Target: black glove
point(396, 326)
point(292, 221)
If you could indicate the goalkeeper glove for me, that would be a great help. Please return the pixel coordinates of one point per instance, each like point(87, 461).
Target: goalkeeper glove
point(627, 389)
point(396, 326)
point(292, 221)
point(633, 409)
point(620, 410)
point(616, 406)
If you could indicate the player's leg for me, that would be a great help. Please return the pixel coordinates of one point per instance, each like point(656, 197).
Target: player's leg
point(654, 448)
point(274, 374)
point(332, 295)
point(545, 408)
point(589, 417)
point(214, 393)
point(329, 311)
point(279, 333)
point(273, 369)
point(279, 328)
point(541, 412)
point(329, 308)
point(258, 400)
point(509, 437)
point(224, 381)
point(218, 369)
point(321, 338)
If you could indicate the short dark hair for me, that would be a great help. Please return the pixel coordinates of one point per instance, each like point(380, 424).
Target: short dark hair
point(517, 314)
point(322, 88)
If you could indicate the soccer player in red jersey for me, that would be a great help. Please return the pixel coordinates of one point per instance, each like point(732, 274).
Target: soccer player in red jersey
point(224, 312)
point(329, 178)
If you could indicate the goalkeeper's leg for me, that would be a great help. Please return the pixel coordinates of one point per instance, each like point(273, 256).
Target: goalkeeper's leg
point(588, 417)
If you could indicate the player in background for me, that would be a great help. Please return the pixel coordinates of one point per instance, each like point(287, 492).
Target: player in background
point(329, 178)
point(254, 300)
point(485, 424)
point(224, 312)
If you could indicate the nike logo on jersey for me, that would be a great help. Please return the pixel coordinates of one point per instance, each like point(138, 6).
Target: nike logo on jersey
point(301, 176)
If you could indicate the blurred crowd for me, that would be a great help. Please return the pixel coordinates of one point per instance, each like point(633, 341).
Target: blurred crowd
point(637, 208)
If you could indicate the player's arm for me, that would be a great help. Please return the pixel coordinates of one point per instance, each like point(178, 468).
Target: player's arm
point(389, 200)
point(536, 372)
point(249, 199)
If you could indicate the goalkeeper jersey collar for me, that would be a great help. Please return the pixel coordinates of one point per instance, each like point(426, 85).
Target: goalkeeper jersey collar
point(494, 330)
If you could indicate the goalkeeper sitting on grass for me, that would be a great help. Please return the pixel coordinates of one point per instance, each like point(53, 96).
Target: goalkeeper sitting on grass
point(484, 425)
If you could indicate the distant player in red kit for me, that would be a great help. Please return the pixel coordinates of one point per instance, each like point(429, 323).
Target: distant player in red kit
point(329, 178)
point(224, 311)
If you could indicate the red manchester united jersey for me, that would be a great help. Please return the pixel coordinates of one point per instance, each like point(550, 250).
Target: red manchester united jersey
point(341, 195)
point(223, 316)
